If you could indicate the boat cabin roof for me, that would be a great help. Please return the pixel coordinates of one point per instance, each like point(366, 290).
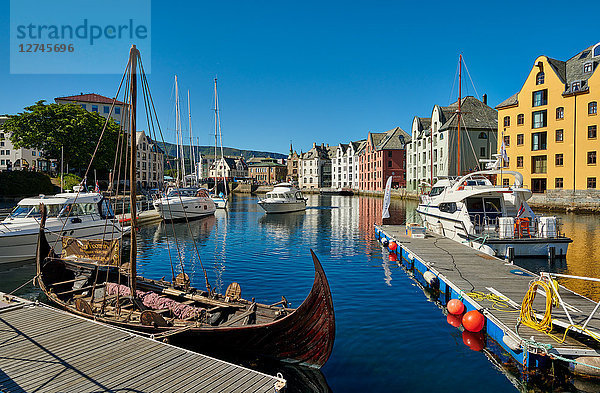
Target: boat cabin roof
point(61, 199)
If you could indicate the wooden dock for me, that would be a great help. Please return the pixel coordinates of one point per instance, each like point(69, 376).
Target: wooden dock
point(462, 270)
point(43, 349)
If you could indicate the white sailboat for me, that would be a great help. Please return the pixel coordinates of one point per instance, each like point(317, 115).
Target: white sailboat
point(220, 199)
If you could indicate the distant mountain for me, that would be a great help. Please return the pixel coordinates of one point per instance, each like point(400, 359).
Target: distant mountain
point(210, 151)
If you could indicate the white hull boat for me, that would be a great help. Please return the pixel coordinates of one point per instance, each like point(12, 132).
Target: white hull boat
point(87, 217)
point(494, 219)
point(220, 202)
point(283, 199)
point(181, 204)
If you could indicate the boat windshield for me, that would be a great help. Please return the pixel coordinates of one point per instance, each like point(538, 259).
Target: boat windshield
point(299, 195)
point(22, 211)
point(435, 191)
point(202, 193)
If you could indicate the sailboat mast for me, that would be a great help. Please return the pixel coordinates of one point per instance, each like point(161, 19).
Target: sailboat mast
point(458, 114)
point(192, 153)
point(216, 129)
point(133, 55)
point(176, 127)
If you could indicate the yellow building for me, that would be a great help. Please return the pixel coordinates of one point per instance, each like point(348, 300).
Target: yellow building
point(550, 127)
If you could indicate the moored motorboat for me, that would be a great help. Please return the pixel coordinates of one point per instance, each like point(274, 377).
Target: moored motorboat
point(83, 215)
point(284, 198)
point(493, 219)
point(184, 203)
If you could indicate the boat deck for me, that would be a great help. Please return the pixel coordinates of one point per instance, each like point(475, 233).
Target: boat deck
point(43, 349)
point(462, 270)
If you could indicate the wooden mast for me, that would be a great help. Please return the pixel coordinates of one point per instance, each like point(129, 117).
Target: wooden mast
point(133, 56)
point(458, 114)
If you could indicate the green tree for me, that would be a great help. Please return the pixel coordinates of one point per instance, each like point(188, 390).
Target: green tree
point(50, 127)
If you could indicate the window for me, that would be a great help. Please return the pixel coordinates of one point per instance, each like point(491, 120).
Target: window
point(83, 106)
point(539, 164)
point(538, 141)
point(95, 108)
point(506, 121)
point(560, 113)
point(482, 152)
point(33, 153)
point(587, 67)
point(539, 79)
point(592, 108)
point(558, 182)
point(559, 136)
point(591, 182)
point(389, 164)
point(482, 135)
point(106, 109)
point(591, 158)
point(389, 153)
point(558, 159)
point(520, 138)
point(596, 50)
point(506, 182)
point(575, 86)
point(520, 162)
point(520, 119)
point(507, 140)
point(592, 132)
point(540, 97)
point(539, 119)
point(117, 110)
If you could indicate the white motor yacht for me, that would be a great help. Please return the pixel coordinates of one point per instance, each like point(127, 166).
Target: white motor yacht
point(284, 198)
point(220, 201)
point(83, 215)
point(494, 219)
point(182, 203)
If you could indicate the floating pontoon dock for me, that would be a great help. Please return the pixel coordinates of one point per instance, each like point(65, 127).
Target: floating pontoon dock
point(461, 270)
point(43, 349)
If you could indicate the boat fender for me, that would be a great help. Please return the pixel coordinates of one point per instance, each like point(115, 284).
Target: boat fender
point(431, 279)
point(393, 245)
point(455, 307)
point(586, 365)
point(473, 321)
point(385, 242)
point(511, 343)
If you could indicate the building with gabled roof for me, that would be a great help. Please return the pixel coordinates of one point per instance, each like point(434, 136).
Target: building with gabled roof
point(433, 150)
point(315, 167)
point(383, 155)
point(550, 126)
point(345, 165)
point(229, 168)
point(93, 102)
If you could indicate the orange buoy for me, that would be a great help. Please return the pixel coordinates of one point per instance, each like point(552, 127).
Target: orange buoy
point(455, 307)
point(393, 246)
point(453, 320)
point(393, 257)
point(475, 341)
point(473, 321)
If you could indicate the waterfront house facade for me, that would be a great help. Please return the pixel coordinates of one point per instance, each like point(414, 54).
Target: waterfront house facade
point(293, 165)
point(345, 165)
point(384, 155)
point(149, 163)
point(229, 168)
point(315, 167)
point(432, 152)
point(267, 171)
point(550, 127)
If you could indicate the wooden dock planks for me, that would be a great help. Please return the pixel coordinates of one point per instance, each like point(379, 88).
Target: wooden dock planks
point(46, 350)
point(474, 271)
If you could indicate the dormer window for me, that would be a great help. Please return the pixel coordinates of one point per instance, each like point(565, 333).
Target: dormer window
point(539, 79)
point(597, 50)
point(587, 67)
point(575, 86)
point(482, 135)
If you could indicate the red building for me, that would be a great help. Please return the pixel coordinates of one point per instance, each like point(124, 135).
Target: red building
point(384, 156)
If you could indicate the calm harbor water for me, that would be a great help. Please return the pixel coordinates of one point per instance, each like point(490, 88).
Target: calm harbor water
point(389, 336)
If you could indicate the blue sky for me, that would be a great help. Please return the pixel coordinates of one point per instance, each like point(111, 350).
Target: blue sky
point(322, 71)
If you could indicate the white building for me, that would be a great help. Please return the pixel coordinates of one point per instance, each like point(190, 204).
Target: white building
point(93, 102)
point(432, 151)
point(230, 168)
point(150, 162)
point(15, 159)
point(345, 165)
point(315, 167)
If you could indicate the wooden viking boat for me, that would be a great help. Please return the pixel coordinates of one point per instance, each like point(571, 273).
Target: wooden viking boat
point(90, 279)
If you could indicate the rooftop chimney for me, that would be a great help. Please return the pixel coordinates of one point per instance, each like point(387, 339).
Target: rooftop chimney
point(485, 99)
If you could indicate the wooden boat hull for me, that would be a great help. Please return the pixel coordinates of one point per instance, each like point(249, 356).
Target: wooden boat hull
point(304, 336)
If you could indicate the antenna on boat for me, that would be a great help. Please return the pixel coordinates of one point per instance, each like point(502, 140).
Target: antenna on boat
point(133, 56)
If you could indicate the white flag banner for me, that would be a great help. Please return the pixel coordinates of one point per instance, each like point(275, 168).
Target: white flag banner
point(386, 199)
